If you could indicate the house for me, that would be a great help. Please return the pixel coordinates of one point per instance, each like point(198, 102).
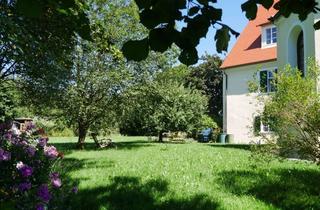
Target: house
point(267, 44)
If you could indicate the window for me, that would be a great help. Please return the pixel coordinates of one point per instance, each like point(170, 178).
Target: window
point(300, 53)
point(271, 35)
point(267, 81)
point(226, 82)
point(265, 128)
point(260, 127)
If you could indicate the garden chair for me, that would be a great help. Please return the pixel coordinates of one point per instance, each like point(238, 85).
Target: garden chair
point(205, 134)
point(102, 143)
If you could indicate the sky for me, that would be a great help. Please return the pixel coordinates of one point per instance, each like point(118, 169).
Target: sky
point(233, 17)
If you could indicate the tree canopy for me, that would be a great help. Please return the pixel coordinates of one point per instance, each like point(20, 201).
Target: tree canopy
point(158, 107)
point(64, 18)
point(160, 17)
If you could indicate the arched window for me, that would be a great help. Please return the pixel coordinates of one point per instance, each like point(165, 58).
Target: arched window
point(300, 53)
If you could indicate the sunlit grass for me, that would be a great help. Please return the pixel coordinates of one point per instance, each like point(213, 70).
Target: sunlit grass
point(143, 175)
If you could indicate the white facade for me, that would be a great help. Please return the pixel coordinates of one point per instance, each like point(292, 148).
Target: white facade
point(240, 106)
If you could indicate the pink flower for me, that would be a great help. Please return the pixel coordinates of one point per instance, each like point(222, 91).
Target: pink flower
point(51, 152)
point(19, 165)
point(55, 180)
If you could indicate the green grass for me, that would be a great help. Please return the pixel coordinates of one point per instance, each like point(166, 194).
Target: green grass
point(142, 175)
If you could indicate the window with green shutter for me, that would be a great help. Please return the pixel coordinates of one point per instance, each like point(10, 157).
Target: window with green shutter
point(267, 81)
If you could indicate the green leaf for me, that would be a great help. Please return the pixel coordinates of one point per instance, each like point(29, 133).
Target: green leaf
point(149, 18)
point(136, 50)
point(181, 4)
point(160, 39)
point(30, 8)
point(144, 4)
point(212, 13)
point(317, 25)
point(204, 2)
point(66, 4)
point(198, 26)
point(83, 26)
point(189, 56)
point(266, 3)
point(222, 39)
point(250, 8)
point(193, 11)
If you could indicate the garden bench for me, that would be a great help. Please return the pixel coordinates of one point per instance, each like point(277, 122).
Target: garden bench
point(102, 143)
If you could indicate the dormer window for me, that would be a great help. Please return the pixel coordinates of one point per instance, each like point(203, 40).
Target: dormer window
point(269, 36)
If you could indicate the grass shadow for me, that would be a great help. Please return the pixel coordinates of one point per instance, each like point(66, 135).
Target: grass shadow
point(130, 145)
point(232, 146)
point(286, 189)
point(68, 147)
point(72, 164)
point(129, 193)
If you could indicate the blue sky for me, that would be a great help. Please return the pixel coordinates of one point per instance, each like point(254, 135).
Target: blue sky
point(232, 16)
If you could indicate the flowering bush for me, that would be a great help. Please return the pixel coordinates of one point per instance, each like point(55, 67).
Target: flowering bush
point(28, 176)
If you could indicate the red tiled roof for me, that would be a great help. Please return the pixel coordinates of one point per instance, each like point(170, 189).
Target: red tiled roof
point(247, 49)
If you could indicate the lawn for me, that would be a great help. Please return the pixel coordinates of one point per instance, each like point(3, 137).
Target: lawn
point(142, 175)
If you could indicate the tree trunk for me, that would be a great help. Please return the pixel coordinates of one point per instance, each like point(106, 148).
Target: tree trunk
point(161, 136)
point(82, 135)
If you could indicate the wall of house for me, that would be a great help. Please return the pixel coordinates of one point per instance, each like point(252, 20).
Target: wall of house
point(241, 106)
point(288, 32)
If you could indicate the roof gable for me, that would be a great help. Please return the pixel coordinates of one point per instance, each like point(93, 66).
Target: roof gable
point(247, 49)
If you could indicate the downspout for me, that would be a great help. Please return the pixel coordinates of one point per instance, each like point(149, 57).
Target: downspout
point(224, 101)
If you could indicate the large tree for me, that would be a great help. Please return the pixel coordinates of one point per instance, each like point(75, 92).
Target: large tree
point(208, 77)
point(38, 34)
point(36, 43)
point(99, 73)
point(90, 101)
point(158, 107)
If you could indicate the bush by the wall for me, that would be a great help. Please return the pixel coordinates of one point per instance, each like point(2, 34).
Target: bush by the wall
point(293, 114)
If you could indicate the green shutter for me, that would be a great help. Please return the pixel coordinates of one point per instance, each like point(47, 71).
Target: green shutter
point(263, 81)
point(257, 125)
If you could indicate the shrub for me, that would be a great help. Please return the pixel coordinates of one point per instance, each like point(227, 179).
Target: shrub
point(55, 128)
point(293, 114)
point(28, 174)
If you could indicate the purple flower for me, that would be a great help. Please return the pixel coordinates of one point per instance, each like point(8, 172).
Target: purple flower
point(24, 186)
point(74, 190)
point(25, 170)
point(30, 150)
point(40, 206)
point(8, 135)
point(43, 193)
point(4, 155)
point(30, 126)
point(42, 142)
point(51, 152)
point(55, 180)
